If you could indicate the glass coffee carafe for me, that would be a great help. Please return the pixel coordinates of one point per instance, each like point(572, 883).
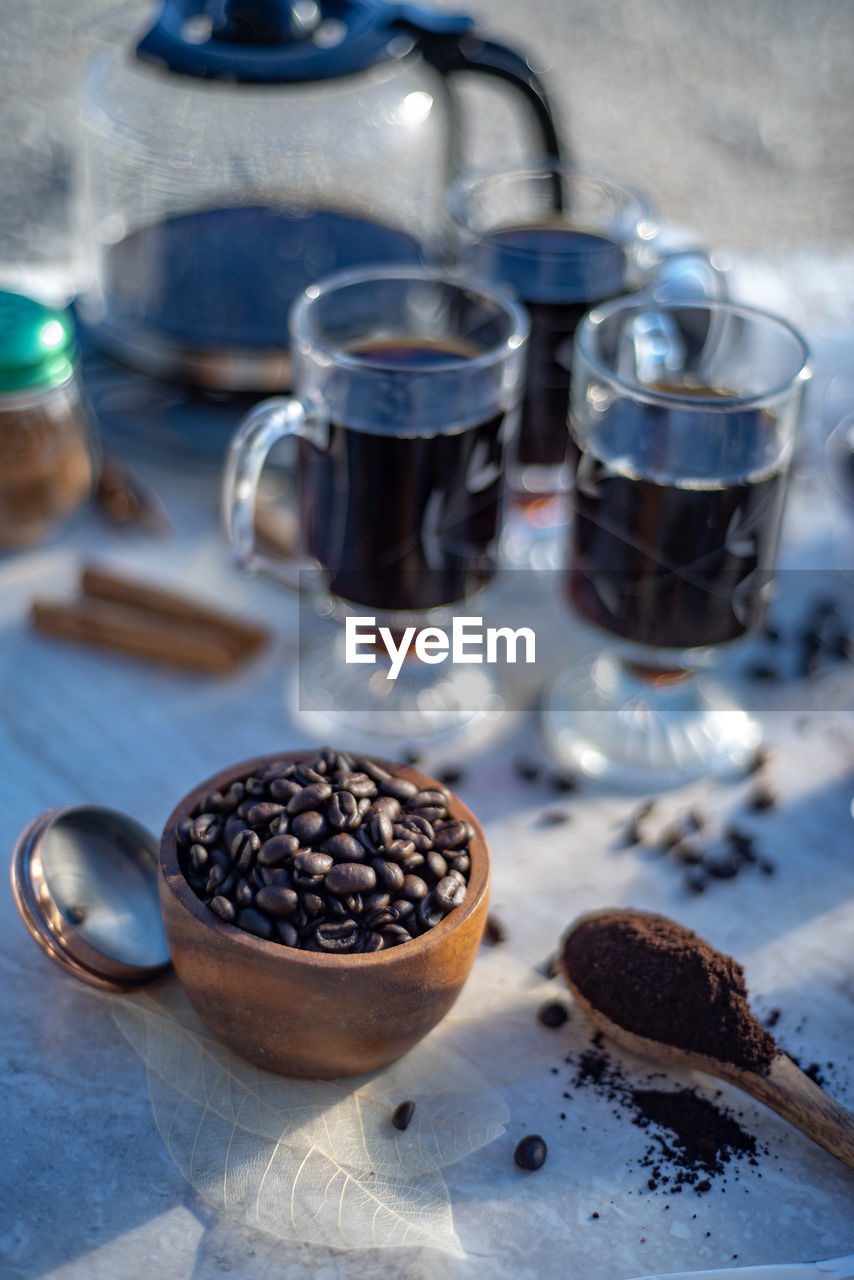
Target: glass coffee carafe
point(244, 149)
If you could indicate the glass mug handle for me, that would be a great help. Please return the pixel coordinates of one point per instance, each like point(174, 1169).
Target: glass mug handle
point(687, 275)
point(263, 427)
point(652, 348)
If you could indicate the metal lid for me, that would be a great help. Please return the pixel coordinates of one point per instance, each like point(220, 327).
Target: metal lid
point(286, 41)
point(38, 348)
point(85, 883)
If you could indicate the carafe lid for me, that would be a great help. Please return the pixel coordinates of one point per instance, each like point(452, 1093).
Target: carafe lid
point(38, 348)
point(282, 41)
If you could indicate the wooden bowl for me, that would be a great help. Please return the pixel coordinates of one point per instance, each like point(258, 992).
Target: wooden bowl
point(305, 1013)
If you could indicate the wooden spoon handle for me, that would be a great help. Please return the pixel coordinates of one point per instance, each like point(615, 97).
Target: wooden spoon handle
point(786, 1090)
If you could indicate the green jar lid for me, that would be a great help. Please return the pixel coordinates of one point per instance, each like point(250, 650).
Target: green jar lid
point(38, 348)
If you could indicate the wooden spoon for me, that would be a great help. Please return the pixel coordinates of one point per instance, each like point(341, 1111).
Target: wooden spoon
point(784, 1087)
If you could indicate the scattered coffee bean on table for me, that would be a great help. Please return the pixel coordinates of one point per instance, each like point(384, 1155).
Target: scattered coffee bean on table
point(332, 853)
point(553, 1014)
point(531, 1152)
point(402, 1115)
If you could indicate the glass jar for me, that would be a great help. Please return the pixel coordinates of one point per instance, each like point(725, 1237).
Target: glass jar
point(48, 447)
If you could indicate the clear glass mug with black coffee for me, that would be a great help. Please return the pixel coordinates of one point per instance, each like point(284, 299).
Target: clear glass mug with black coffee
point(684, 418)
point(562, 240)
point(407, 388)
point(240, 150)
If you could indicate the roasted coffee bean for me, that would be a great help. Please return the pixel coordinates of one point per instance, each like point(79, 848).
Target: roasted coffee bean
point(384, 804)
point(394, 934)
point(401, 788)
point(233, 824)
point(417, 829)
point(371, 942)
point(379, 919)
point(199, 858)
point(460, 862)
point(244, 894)
point(457, 875)
point(402, 1115)
point(341, 936)
point(432, 814)
point(724, 865)
point(184, 831)
point(414, 888)
point(287, 933)
point(373, 770)
point(280, 876)
point(229, 884)
point(279, 902)
point(428, 800)
point(313, 904)
point(213, 802)
point(494, 933)
point(216, 875)
point(345, 848)
point(253, 922)
point(398, 850)
point(363, 805)
point(389, 874)
point(283, 790)
point(381, 830)
point(449, 836)
point(223, 908)
point(689, 852)
point(263, 813)
point(376, 900)
point(244, 847)
point(353, 903)
point(412, 862)
point(277, 849)
point(553, 1014)
point(531, 1152)
point(258, 876)
point(430, 912)
point(276, 769)
point(695, 880)
point(436, 864)
point(563, 782)
point(255, 786)
point(404, 908)
point(342, 811)
point(206, 829)
point(358, 784)
point(450, 892)
point(308, 826)
point(311, 797)
point(350, 877)
point(336, 908)
point(308, 776)
point(313, 864)
point(762, 797)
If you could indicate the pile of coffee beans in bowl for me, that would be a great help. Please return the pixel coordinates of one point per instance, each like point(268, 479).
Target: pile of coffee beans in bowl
point(333, 854)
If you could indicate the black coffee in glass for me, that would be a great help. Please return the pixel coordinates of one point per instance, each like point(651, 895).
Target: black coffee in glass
point(404, 521)
point(559, 273)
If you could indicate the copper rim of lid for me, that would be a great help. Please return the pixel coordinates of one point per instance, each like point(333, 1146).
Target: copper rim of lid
point(59, 936)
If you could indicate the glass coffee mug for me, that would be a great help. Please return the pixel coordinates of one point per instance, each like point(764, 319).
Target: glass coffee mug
point(407, 382)
point(561, 240)
point(684, 417)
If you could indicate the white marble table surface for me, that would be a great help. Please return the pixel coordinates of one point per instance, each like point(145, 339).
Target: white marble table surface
point(87, 1189)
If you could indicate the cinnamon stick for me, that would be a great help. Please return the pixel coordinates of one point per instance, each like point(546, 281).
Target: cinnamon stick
point(243, 638)
point(129, 629)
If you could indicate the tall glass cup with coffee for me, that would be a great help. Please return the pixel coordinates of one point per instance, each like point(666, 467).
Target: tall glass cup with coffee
point(407, 388)
point(562, 240)
point(684, 419)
